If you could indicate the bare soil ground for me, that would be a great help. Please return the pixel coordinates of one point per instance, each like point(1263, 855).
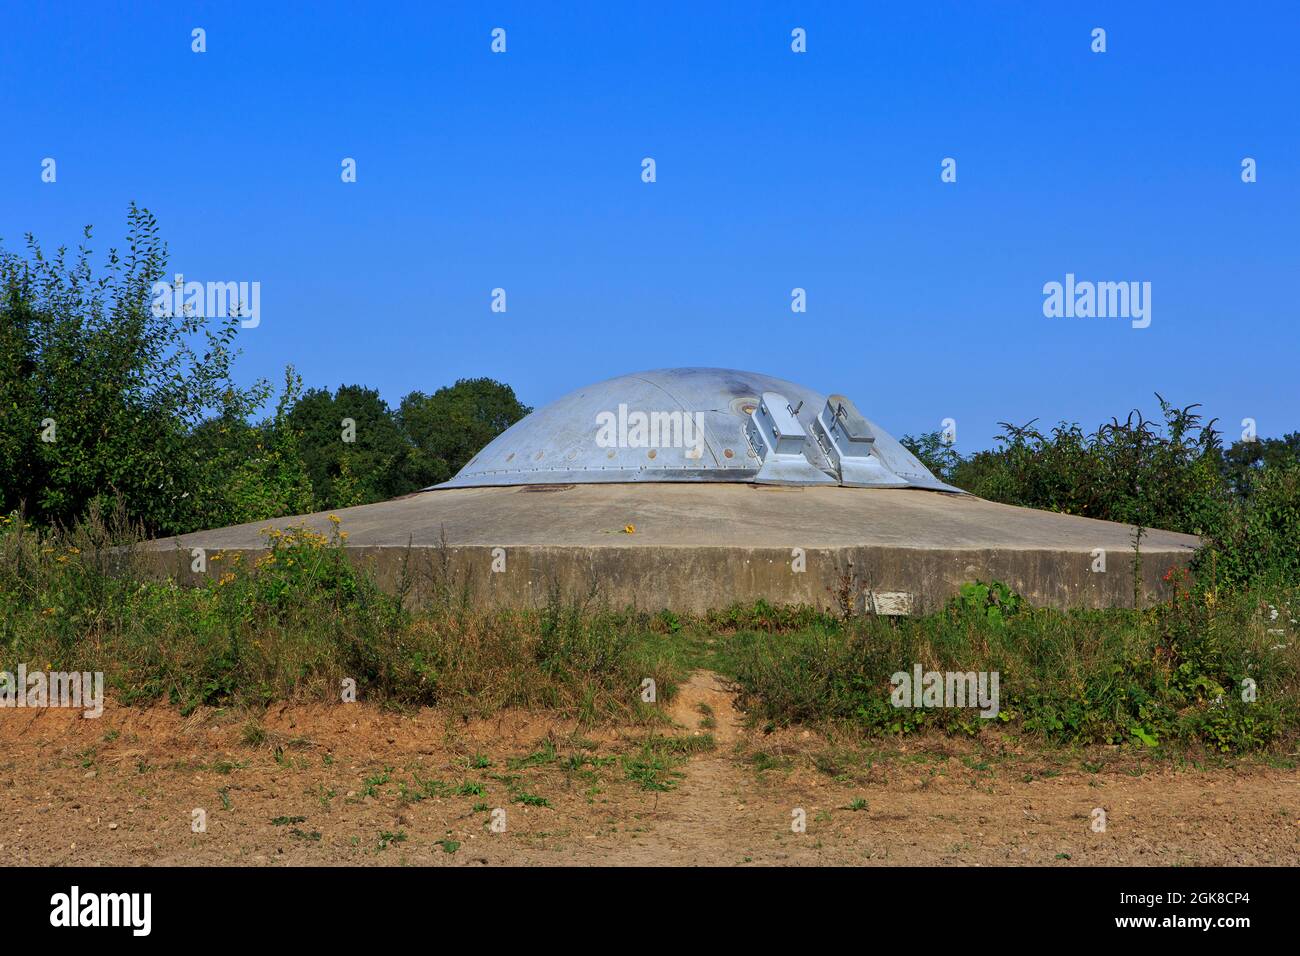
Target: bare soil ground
point(357, 785)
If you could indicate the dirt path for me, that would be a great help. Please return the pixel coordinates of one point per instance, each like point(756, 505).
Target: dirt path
point(355, 785)
point(705, 819)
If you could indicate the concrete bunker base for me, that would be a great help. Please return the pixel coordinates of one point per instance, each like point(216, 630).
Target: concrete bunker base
point(697, 547)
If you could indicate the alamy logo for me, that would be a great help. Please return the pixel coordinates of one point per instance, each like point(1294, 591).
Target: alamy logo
point(625, 429)
point(211, 300)
point(53, 689)
point(103, 909)
point(946, 689)
point(1102, 300)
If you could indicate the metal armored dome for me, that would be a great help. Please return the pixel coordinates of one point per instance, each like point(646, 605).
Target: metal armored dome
point(693, 425)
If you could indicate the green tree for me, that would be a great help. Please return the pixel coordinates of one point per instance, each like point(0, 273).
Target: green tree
point(1260, 541)
point(936, 454)
point(253, 472)
point(353, 446)
point(450, 426)
point(100, 392)
point(1245, 461)
point(1138, 471)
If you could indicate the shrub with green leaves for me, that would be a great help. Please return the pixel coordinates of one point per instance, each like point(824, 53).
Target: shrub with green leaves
point(1172, 474)
point(100, 394)
point(294, 622)
point(1260, 540)
point(106, 401)
point(1174, 674)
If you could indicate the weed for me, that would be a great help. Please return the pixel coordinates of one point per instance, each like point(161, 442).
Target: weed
point(530, 799)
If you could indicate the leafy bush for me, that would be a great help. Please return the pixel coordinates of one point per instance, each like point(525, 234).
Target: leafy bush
point(106, 401)
point(992, 602)
point(100, 394)
point(1260, 539)
point(1172, 474)
point(1174, 674)
point(452, 425)
point(1163, 475)
point(294, 622)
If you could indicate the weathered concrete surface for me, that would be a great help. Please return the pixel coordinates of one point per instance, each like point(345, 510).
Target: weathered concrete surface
point(702, 546)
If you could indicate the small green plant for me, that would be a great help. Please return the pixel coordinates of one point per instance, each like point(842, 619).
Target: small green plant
point(707, 720)
point(653, 765)
point(993, 601)
point(537, 758)
point(530, 799)
point(666, 622)
point(253, 734)
point(372, 783)
point(763, 761)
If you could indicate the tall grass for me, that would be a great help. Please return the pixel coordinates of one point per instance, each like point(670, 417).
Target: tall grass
point(1171, 674)
point(295, 623)
point(301, 618)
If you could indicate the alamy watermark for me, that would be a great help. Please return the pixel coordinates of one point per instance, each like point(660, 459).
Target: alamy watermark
point(75, 908)
point(53, 689)
point(946, 689)
point(1102, 300)
point(637, 429)
point(211, 300)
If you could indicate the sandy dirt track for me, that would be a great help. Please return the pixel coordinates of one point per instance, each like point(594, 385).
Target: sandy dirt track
point(350, 785)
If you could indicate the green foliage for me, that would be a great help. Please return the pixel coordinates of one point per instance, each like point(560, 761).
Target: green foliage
point(994, 602)
point(386, 452)
point(654, 765)
point(1173, 675)
point(1260, 540)
point(530, 799)
point(102, 401)
point(1157, 475)
point(296, 621)
point(99, 394)
point(375, 464)
point(936, 454)
point(1173, 474)
point(450, 426)
point(252, 472)
point(1245, 461)
point(765, 617)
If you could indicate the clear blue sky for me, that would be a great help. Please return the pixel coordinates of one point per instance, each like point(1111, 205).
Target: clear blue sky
point(775, 170)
